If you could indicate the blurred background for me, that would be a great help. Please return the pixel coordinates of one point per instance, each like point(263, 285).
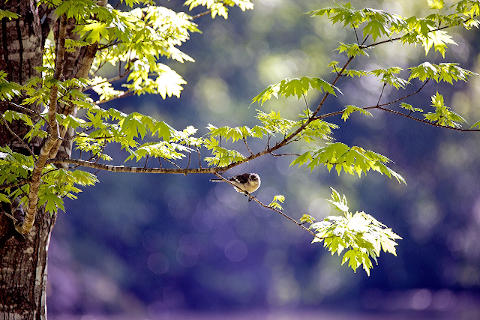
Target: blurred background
point(179, 247)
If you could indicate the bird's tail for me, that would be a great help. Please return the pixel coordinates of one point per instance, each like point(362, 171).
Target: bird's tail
point(216, 180)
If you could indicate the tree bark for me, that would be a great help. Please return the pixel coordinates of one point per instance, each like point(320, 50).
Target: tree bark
point(23, 271)
point(23, 260)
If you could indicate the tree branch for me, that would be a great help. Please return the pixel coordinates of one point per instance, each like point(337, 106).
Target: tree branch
point(400, 37)
point(246, 145)
point(53, 135)
point(280, 212)
point(14, 184)
point(201, 14)
point(383, 105)
point(125, 94)
point(23, 143)
point(112, 168)
point(421, 120)
point(24, 110)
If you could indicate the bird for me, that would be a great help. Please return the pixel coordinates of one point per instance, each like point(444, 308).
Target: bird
point(245, 183)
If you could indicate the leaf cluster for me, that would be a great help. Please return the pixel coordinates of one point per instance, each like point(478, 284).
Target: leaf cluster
point(219, 7)
point(359, 236)
point(426, 31)
point(352, 160)
point(443, 115)
point(294, 87)
point(276, 202)
point(56, 183)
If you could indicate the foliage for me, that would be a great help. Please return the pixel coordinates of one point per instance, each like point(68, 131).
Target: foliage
point(219, 8)
point(294, 87)
point(443, 115)
point(359, 235)
point(8, 14)
point(276, 202)
point(144, 41)
point(352, 160)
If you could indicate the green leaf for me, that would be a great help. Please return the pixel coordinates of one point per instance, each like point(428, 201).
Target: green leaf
point(376, 29)
point(306, 218)
point(388, 76)
point(274, 123)
point(359, 234)
point(220, 8)
point(8, 14)
point(294, 87)
point(443, 115)
point(302, 159)
point(11, 115)
point(8, 90)
point(276, 202)
point(447, 72)
point(438, 40)
point(476, 125)
point(317, 130)
point(4, 198)
point(435, 4)
point(409, 107)
point(338, 201)
point(221, 156)
point(351, 109)
point(352, 160)
point(352, 50)
point(352, 73)
point(237, 133)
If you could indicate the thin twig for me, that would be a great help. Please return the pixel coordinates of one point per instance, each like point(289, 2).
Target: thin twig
point(201, 14)
point(23, 143)
point(189, 159)
point(14, 184)
point(306, 104)
point(424, 121)
point(280, 212)
point(379, 107)
point(335, 113)
point(100, 66)
point(199, 158)
point(53, 132)
point(173, 163)
point(116, 78)
point(284, 154)
point(120, 75)
point(23, 109)
point(246, 144)
point(112, 168)
point(381, 93)
point(125, 94)
point(362, 46)
point(146, 162)
point(108, 45)
point(356, 35)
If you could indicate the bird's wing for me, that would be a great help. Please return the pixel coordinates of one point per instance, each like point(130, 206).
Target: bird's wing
point(242, 178)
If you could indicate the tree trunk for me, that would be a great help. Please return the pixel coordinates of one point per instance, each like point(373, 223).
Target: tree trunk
point(23, 271)
point(23, 261)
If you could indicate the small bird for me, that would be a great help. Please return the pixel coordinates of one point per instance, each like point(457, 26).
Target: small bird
point(245, 183)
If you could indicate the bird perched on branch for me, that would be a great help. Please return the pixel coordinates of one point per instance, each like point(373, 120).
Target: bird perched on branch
point(245, 183)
